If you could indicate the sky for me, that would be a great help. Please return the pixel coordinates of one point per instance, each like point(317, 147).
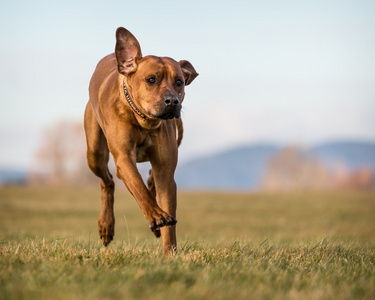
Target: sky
point(285, 72)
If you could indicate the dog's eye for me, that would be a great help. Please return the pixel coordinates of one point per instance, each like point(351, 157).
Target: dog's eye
point(151, 80)
point(178, 82)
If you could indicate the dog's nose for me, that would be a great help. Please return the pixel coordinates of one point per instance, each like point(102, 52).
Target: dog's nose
point(171, 100)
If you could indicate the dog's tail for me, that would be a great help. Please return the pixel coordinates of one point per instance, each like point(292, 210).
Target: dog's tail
point(180, 131)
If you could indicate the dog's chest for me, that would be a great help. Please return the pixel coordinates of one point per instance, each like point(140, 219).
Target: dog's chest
point(141, 151)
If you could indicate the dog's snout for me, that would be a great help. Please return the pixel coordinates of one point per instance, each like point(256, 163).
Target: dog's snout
point(171, 100)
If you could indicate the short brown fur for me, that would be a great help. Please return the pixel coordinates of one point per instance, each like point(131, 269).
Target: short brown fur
point(156, 85)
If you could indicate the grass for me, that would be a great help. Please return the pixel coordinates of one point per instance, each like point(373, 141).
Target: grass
point(231, 245)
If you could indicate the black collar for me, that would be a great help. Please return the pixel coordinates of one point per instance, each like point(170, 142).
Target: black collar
point(132, 104)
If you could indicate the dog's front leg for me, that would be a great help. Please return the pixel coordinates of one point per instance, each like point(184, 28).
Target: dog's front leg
point(167, 199)
point(163, 159)
point(127, 171)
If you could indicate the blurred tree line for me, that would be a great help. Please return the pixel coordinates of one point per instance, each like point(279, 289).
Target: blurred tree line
point(61, 160)
point(61, 157)
point(295, 169)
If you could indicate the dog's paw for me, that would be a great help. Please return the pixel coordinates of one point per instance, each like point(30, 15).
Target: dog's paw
point(171, 221)
point(158, 218)
point(161, 222)
point(106, 232)
point(157, 232)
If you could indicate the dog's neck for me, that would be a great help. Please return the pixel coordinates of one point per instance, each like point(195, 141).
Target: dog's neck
point(129, 99)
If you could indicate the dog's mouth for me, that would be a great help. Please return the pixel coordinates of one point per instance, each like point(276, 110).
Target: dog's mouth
point(169, 114)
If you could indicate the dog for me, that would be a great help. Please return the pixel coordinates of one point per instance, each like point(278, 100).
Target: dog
point(133, 112)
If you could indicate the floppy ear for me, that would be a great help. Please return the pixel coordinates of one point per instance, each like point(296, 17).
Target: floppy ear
point(188, 70)
point(127, 51)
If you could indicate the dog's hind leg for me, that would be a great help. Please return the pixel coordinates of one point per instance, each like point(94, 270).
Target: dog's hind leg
point(151, 183)
point(97, 158)
point(151, 187)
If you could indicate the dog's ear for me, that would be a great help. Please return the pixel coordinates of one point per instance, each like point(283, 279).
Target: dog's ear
point(188, 70)
point(128, 51)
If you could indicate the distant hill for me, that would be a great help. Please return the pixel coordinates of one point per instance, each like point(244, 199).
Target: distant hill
point(237, 168)
point(244, 167)
point(352, 154)
point(8, 175)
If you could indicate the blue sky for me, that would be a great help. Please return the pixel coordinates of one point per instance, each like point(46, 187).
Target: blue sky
point(300, 72)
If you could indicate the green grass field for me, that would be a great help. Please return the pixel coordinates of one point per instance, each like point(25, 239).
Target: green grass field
point(231, 246)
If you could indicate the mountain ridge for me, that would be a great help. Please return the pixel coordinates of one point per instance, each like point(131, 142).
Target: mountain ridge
point(244, 167)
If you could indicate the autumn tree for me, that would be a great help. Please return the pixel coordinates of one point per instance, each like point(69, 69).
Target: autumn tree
point(61, 156)
point(294, 169)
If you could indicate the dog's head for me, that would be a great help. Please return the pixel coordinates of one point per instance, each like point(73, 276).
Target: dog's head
point(156, 83)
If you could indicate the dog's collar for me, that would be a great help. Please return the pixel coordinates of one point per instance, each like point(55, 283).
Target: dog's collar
point(131, 102)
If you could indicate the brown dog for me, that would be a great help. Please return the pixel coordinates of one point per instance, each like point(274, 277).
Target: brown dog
point(134, 112)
